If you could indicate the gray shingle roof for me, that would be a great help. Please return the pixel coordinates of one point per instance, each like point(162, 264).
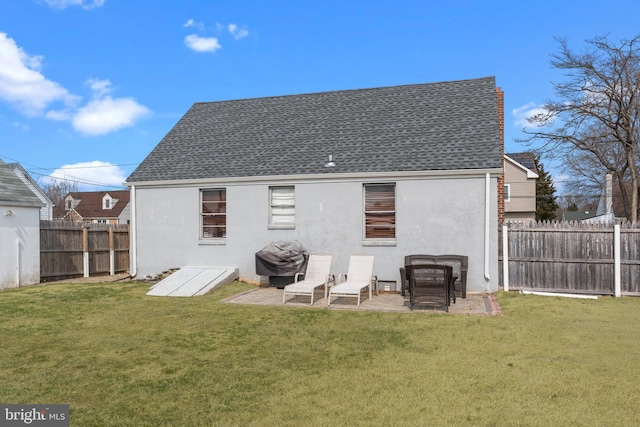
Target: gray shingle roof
point(15, 192)
point(436, 126)
point(526, 159)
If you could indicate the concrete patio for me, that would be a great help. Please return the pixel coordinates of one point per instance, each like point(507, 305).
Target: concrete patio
point(474, 304)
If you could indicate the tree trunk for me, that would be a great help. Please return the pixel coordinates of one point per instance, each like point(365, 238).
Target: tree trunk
point(634, 186)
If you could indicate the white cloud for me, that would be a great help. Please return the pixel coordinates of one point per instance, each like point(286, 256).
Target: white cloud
point(89, 175)
point(202, 44)
point(105, 115)
point(524, 113)
point(99, 87)
point(192, 23)
point(237, 33)
point(25, 88)
point(21, 83)
point(85, 4)
point(59, 115)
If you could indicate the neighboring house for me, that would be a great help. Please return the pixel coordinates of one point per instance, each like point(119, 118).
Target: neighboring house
point(46, 212)
point(578, 216)
point(106, 207)
point(19, 231)
point(605, 213)
point(520, 174)
point(389, 171)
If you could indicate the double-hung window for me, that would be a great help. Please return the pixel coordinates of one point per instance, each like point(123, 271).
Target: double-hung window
point(282, 203)
point(380, 212)
point(213, 214)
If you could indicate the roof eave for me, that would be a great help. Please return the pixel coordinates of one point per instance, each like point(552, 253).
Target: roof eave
point(456, 173)
point(15, 203)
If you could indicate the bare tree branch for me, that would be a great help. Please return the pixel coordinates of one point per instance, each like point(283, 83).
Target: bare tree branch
point(595, 120)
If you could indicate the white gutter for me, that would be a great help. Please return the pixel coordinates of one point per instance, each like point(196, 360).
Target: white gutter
point(487, 226)
point(133, 241)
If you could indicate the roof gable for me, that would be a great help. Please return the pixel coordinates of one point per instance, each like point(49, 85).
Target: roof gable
point(15, 192)
point(436, 126)
point(525, 159)
point(524, 163)
point(31, 183)
point(89, 204)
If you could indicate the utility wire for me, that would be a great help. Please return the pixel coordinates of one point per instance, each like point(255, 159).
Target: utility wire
point(71, 178)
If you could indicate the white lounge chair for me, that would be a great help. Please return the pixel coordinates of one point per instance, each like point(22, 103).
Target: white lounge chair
point(317, 274)
point(358, 277)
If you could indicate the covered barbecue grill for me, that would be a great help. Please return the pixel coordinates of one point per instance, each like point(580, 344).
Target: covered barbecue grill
point(281, 261)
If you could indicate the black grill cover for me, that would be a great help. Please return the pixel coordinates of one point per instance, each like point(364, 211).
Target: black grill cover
point(281, 259)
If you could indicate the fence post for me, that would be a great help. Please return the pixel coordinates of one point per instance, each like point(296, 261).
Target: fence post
point(85, 251)
point(505, 258)
point(616, 260)
point(112, 254)
point(17, 263)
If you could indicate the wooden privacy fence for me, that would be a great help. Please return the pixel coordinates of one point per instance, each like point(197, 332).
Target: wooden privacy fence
point(600, 259)
point(69, 249)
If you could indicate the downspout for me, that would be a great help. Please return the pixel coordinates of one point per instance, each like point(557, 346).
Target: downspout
point(487, 227)
point(133, 241)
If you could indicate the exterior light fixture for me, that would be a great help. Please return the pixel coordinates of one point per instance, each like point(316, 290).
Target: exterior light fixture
point(8, 212)
point(330, 163)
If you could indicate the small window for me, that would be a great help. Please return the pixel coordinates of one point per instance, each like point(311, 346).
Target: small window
point(69, 201)
point(282, 207)
point(213, 214)
point(507, 192)
point(107, 203)
point(380, 211)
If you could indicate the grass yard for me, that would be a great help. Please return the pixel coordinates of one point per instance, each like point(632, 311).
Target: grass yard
point(121, 358)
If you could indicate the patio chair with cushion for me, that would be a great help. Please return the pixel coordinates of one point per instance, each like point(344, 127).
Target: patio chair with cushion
point(317, 275)
point(429, 283)
point(459, 263)
point(359, 277)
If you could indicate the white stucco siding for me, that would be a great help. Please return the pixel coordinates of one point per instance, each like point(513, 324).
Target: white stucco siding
point(433, 215)
point(19, 246)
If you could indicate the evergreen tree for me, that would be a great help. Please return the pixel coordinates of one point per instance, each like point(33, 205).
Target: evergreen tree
point(546, 205)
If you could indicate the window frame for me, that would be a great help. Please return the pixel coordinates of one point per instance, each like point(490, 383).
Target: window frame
point(507, 192)
point(282, 225)
point(202, 215)
point(379, 240)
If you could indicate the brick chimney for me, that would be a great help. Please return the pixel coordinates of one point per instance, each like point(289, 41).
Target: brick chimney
point(500, 100)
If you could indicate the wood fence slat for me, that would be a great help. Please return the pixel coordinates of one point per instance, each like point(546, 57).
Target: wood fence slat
point(62, 249)
point(572, 257)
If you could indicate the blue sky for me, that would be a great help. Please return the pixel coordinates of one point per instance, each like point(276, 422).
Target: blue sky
point(92, 86)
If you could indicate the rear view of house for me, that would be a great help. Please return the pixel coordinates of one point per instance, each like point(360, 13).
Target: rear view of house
point(388, 171)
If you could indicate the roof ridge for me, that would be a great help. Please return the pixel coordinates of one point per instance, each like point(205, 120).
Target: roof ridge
point(363, 89)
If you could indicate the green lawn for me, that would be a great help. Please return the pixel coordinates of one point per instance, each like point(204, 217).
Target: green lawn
point(120, 358)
